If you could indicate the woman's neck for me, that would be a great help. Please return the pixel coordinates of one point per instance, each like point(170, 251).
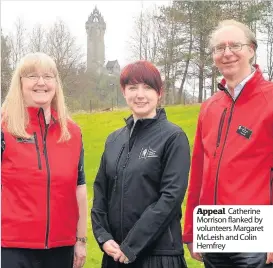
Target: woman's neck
point(150, 115)
point(47, 112)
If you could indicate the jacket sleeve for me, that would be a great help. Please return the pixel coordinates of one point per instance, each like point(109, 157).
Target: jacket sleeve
point(99, 219)
point(195, 184)
point(155, 219)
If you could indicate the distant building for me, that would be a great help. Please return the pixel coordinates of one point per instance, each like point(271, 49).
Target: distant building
point(113, 67)
point(95, 29)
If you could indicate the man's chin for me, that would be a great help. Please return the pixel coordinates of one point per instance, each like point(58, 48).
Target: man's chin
point(230, 72)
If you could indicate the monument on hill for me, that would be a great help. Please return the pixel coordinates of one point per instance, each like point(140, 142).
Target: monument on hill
point(95, 29)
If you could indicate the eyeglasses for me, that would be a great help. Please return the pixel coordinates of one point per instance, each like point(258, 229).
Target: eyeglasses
point(219, 49)
point(35, 78)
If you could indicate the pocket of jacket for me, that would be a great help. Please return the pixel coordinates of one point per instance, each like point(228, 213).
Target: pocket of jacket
point(171, 236)
point(38, 151)
point(220, 129)
point(116, 168)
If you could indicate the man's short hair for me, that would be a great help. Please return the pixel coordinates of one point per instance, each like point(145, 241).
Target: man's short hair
point(248, 33)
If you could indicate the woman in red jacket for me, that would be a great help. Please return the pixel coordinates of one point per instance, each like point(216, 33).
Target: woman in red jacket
point(44, 202)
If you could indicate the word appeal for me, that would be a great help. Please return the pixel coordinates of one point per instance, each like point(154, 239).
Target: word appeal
point(232, 229)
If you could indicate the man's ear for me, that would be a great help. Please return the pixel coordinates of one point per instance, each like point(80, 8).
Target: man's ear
point(252, 50)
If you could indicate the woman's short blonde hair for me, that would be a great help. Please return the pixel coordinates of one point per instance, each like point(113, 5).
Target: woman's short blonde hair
point(248, 33)
point(14, 112)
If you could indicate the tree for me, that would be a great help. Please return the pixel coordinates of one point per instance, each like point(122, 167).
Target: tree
point(267, 30)
point(61, 45)
point(143, 43)
point(16, 42)
point(37, 39)
point(269, 49)
point(187, 25)
point(169, 49)
point(5, 66)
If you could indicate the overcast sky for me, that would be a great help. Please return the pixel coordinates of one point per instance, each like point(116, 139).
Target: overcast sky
point(118, 15)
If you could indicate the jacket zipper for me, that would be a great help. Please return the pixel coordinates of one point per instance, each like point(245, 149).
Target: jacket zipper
point(220, 129)
point(228, 126)
point(221, 155)
point(116, 176)
point(48, 187)
point(122, 184)
point(48, 173)
point(38, 151)
point(171, 236)
point(121, 203)
point(219, 162)
point(271, 186)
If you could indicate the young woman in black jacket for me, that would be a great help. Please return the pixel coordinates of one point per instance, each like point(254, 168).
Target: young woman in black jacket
point(142, 180)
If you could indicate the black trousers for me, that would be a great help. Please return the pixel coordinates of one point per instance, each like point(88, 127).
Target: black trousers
point(61, 257)
point(235, 260)
point(147, 262)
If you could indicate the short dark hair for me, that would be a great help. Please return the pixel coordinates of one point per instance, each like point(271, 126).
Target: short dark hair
point(141, 71)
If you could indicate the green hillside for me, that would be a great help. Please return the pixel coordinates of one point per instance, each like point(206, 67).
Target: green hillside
point(95, 129)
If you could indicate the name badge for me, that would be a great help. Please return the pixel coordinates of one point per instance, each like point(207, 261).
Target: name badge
point(245, 132)
point(21, 140)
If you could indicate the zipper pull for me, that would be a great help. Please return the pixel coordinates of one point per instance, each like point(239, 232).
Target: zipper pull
point(126, 161)
point(216, 149)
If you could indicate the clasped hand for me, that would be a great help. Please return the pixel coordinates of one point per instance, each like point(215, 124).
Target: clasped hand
point(111, 248)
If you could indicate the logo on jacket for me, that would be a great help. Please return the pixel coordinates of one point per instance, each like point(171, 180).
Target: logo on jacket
point(25, 140)
point(147, 153)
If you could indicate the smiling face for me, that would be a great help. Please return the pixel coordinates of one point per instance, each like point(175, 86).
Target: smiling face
point(39, 88)
point(141, 86)
point(142, 100)
point(233, 62)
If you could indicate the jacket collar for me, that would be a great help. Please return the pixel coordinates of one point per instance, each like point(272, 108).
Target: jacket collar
point(251, 83)
point(36, 115)
point(160, 115)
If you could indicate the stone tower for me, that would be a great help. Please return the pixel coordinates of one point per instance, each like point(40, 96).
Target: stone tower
point(95, 29)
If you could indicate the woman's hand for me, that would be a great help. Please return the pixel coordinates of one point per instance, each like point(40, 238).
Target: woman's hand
point(79, 254)
point(110, 247)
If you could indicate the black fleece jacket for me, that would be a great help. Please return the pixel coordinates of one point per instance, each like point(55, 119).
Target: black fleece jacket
point(140, 186)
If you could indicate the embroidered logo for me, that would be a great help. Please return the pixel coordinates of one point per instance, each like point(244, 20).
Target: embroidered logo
point(22, 140)
point(147, 153)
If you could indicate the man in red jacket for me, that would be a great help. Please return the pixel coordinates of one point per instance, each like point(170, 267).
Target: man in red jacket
point(232, 161)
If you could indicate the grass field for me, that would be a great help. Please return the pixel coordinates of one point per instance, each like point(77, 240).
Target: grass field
point(95, 129)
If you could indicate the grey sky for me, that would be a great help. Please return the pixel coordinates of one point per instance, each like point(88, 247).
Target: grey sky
point(118, 15)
